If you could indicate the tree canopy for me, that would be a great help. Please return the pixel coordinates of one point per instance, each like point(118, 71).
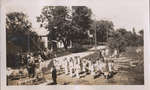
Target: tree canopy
point(121, 38)
point(103, 28)
point(65, 24)
point(20, 37)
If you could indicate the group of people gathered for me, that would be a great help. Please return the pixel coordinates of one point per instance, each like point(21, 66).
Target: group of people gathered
point(77, 66)
point(73, 66)
point(33, 65)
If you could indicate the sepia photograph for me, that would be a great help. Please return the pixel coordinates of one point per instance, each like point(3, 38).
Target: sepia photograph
point(101, 43)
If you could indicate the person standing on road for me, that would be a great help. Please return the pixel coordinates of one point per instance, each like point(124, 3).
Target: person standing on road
point(106, 69)
point(66, 66)
point(92, 70)
point(101, 56)
point(103, 52)
point(84, 65)
point(89, 65)
point(71, 66)
point(115, 54)
point(77, 70)
point(32, 65)
point(29, 65)
point(111, 66)
point(54, 75)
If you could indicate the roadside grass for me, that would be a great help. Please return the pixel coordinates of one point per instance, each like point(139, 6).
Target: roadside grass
point(138, 71)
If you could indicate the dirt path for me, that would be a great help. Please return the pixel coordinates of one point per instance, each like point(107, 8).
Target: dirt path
point(81, 54)
point(127, 74)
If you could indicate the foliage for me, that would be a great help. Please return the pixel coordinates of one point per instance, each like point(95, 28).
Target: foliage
point(141, 38)
point(121, 39)
point(19, 36)
point(81, 22)
point(65, 25)
point(103, 29)
point(57, 21)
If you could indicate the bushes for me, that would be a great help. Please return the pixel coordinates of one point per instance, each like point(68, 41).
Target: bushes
point(121, 39)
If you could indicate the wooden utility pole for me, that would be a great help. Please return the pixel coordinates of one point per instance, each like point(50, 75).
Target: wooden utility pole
point(95, 34)
point(95, 37)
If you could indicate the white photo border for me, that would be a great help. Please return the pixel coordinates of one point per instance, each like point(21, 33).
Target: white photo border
point(3, 86)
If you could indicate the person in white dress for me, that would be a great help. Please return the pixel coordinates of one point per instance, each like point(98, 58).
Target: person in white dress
point(92, 70)
point(115, 54)
point(103, 52)
point(71, 66)
point(77, 70)
point(84, 65)
point(39, 73)
point(66, 66)
point(105, 69)
point(97, 66)
point(111, 66)
point(107, 52)
point(89, 65)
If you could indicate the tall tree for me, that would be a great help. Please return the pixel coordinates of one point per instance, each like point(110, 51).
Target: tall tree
point(65, 24)
point(18, 29)
point(56, 20)
point(121, 38)
point(141, 32)
point(118, 40)
point(104, 28)
point(81, 22)
point(141, 38)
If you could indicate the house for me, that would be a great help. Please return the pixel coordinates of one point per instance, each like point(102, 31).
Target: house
point(51, 44)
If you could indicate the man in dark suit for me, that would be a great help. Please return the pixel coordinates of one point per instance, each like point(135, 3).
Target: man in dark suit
point(54, 75)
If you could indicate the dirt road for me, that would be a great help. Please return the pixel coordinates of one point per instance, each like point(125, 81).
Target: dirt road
point(127, 74)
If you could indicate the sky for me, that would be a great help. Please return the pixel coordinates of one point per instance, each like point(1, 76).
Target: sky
point(123, 13)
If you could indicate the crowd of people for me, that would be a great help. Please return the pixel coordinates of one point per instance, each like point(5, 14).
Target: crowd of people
point(75, 66)
point(71, 66)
